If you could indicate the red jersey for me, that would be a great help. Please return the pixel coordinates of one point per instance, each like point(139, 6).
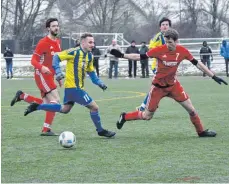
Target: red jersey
point(44, 52)
point(168, 62)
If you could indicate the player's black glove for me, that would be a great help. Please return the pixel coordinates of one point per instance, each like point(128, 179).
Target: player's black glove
point(117, 53)
point(59, 76)
point(219, 80)
point(103, 87)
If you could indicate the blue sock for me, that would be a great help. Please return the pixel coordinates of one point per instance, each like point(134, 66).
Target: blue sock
point(96, 120)
point(50, 107)
point(146, 98)
point(143, 105)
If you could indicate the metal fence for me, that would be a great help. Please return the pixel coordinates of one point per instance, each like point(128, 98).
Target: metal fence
point(22, 66)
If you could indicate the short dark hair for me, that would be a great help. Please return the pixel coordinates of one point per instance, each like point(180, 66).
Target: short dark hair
point(143, 42)
point(77, 43)
point(133, 41)
point(205, 42)
point(165, 19)
point(171, 33)
point(48, 22)
point(85, 35)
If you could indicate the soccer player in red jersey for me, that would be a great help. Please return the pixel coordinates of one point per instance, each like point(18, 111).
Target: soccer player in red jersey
point(44, 74)
point(165, 82)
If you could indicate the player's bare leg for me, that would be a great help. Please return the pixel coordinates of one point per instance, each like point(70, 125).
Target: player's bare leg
point(66, 108)
point(194, 117)
point(50, 98)
point(94, 113)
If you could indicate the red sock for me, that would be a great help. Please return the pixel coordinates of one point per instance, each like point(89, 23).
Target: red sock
point(133, 115)
point(28, 98)
point(48, 121)
point(197, 123)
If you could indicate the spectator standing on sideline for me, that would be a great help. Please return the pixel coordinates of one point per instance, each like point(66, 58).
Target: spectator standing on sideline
point(224, 51)
point(113, 60)
point(132, 50)
point(96, 53)
point(205, 53)
point(144, 62)
point(8, 55)
point(77, 42)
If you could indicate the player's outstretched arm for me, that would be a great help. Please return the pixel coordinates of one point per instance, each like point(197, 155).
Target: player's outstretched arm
point(119, 54)
point(95, 80)
point(204, 69)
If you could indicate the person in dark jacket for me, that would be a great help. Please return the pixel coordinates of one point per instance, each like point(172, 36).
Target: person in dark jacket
point(144, 63)
point(96, 53)
point(8, 55)
point(224, 51)
point(77, 42)
point(205, 53)
point(132, 49)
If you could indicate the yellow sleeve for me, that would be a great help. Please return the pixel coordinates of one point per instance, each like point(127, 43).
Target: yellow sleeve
point(155, 41)
point(154, 64)
point(90, 67)
point(67, 54)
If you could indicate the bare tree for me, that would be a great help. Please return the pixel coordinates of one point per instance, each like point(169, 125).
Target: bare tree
point(149, 13)
point(21, 15)
point(4, 14)
point(106, 15)
point(191, 9)
point(20, 19)
point(218, 11)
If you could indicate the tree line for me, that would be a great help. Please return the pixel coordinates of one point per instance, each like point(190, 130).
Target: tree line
point(136, 19)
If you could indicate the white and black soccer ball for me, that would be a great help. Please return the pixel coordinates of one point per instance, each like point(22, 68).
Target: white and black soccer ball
point(67, 139)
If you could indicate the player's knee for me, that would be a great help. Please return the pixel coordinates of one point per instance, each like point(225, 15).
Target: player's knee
point(147, 116)
point(54, 102)
point(65, 110)
point(94, 108)
point(193, 112)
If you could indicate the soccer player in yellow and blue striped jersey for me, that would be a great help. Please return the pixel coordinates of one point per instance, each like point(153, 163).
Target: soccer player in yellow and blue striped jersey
point(156, 41)
point(79, 63)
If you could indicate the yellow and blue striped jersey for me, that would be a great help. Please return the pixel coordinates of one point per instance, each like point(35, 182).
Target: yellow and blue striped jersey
point(156, 41)
point(78, 63)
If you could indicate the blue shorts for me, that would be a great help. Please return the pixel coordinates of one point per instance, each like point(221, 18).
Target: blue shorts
point(76, 95)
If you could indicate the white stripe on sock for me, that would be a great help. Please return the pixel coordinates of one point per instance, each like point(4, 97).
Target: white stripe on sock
point(46, 125)
point(143, 105)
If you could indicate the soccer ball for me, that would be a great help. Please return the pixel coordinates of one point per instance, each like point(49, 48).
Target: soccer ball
point(67, 139)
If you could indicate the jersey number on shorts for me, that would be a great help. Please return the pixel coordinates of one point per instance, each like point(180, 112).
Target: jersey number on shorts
point(86, 98)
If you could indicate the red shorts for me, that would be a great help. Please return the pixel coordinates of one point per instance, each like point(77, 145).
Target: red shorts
point(44, 82)
point(175, 92)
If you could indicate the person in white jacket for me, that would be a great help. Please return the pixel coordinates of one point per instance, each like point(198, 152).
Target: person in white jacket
point(113, 60)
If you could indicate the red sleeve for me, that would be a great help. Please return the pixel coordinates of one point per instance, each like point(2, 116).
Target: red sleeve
point(59, 42)
point(154, 52)
point(39, 51)
point(188, 55)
